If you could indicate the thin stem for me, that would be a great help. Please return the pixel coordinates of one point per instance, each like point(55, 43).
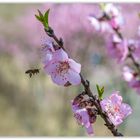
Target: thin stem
point(86, 85)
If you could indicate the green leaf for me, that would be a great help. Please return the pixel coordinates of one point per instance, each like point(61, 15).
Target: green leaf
point(40, 14)
point(46, 18)
point(39, 18)
point(100, 91)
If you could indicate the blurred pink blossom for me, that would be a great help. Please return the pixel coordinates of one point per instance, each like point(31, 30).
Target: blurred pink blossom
point(134, 45)
point(111, 19)
point(132, 78)
point(101, 26)
point(117, 48)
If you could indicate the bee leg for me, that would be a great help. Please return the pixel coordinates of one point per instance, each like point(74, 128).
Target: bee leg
point(30, 74)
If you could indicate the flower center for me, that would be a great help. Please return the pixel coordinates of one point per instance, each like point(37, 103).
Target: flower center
point(63, 67)
point(113, 109)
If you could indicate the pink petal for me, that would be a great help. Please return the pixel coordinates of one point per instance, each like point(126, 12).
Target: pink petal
point(58, 79)
point(60, 55)
point(103, 104)
point(125, 109)
point(74, 107)
point(94, 22)
point(73, 77)
point(117, 120)
point(75, 66)
point(115, 98)
point(90, 130)
point(50, 68)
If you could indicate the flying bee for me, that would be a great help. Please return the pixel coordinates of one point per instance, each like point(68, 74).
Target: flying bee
point(32, 72)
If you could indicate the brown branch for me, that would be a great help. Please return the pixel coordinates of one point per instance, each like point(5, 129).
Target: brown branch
point(86, 85)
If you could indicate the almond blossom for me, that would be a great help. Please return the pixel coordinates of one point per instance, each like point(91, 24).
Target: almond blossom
point(62, 69)
point(115, 109)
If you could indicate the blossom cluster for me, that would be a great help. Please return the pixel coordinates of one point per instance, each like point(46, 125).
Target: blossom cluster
point(119, 47)
point(65, 71)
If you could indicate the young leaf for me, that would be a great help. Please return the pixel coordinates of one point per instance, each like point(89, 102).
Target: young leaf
point(100, 91)
point(46, 18)
point(38, 17)
point(40, 14)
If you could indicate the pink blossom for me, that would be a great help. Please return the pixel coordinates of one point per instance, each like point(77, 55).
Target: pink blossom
point(116, 18)
point(84, 111)
point(63, 69)
point(111, 19)
point(111, 10)
point(132, 78)
point(115, 109)
point(135, 48)
point(116, 22)
point(83, 118)
point(117, 48)
point(47, 52)
point(101, 26)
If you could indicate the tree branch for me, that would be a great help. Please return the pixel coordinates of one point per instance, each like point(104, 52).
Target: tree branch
point(86, 85)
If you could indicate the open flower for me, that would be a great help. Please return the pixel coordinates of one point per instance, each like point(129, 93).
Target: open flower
point(115, 109)
point(63, 69)
point(117, 48)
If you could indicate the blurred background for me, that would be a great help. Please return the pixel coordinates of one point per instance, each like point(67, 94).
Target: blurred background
point(36, 106)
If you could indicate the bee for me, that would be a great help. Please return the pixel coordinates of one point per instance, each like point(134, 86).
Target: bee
point(32, 72)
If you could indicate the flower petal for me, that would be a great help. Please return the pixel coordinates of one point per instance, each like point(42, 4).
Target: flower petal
point(60, 55)
point(90, 130)
point(125, 109)
point(50, 68)
point(116, 119)
point(73, 77)
point(94, 21)
point(115, 98)
point(75, 66)
point(58, 79)
point(104, 103)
